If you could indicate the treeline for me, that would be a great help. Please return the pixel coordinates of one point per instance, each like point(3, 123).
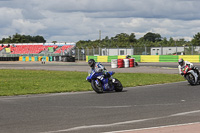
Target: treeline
point(120, 40)
point(148, 40)
point(17, 38)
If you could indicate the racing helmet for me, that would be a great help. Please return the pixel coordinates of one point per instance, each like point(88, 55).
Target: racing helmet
point(181, 61)
point(91, 62)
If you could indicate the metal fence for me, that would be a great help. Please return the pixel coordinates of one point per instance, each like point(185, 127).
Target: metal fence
point(81, 53)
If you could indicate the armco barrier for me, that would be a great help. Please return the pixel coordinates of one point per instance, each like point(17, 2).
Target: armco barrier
point(111, 58)
point(137, 58)
point(149, 58)
point(102, 58)
point(190, 58)
point(121, 56)
point(91, 57)
point(168, 58)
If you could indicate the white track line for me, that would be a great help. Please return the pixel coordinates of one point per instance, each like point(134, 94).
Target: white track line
point(152, 128)
point(120, 123)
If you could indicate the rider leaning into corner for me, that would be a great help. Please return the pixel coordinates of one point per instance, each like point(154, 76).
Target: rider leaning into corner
point(182, 63)
point(98, 67)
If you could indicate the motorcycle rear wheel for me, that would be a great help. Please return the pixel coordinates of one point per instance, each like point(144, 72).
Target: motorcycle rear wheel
point(118, 86)
point(97, 88)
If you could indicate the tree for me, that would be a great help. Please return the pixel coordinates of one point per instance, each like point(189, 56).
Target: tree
point(196, 39)
point(17, 38)
point(152, 37)
point(132, 38)
point(171, 42)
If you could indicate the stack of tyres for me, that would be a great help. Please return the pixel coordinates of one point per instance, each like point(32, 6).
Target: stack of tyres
point(114, 63)
point(131, 62)
point(126, 63)
point(120, 63)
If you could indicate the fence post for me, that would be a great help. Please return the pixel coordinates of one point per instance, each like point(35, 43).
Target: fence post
point(99, 51)
point(78, 54)
point(192, 49)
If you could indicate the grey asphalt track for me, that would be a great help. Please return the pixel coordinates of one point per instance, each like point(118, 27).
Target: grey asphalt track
point(88, 112)
point(170, 68)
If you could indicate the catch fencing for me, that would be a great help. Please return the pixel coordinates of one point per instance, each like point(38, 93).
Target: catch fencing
point(164, 53)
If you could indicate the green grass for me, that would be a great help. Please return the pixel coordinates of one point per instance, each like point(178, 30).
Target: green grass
point(22, 82)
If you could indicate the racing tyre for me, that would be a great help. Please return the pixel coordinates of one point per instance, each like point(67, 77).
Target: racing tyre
point(118, 86)
point(190, 78)
point(96, 88)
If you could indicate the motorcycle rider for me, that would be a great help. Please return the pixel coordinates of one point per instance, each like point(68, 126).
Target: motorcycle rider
point(98, 67)
point(182, 63)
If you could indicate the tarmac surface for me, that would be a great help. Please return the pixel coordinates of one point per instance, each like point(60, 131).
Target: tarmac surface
point(170, 68)
point(166, 108)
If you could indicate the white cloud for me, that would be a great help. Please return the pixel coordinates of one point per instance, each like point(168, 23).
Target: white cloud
point(26, 27)
point(8, 14)
point(74, 20)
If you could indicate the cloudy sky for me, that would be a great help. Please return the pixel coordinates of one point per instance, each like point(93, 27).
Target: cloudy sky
point(74, 20)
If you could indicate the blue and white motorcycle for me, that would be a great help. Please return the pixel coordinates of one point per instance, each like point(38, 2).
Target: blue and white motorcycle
point(100, 83)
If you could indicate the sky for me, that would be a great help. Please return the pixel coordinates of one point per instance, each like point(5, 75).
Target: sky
point(74, 20)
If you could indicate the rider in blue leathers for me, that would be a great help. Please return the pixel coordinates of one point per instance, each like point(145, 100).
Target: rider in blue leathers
point(98, 67)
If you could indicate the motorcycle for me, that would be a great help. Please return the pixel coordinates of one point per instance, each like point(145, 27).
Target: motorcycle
point(191, 75)
point(100, 83)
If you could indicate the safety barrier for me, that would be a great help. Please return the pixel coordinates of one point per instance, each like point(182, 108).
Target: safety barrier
point(131, 62)
point(35, 58)
point(148, 58)
point(122, 63)
point(102, 58)
point(114, 63)
point(168, 58)
point(190, 58)
point(126, 63)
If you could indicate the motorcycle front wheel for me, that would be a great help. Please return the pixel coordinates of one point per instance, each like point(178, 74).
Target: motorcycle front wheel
point(190, 78)
point(97, 88)
point(118, 86)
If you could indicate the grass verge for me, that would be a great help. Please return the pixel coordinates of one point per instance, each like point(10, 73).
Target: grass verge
point(22, 82)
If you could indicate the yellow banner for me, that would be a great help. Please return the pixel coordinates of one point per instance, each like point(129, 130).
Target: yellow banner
point(190, 58)
point(102, 58)
point(149, 58)
point(122, 57)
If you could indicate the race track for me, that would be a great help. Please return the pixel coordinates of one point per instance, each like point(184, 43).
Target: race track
point(88, 112)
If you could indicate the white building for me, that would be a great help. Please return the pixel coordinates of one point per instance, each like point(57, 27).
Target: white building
point(174, 50)
point(117, 51)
